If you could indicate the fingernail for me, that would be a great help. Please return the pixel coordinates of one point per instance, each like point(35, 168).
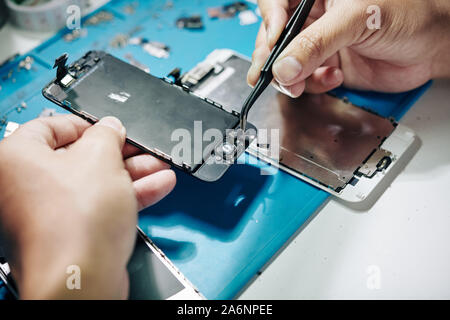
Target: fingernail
point(286, 69)
point(333, 78)
point(285, 90)
point(275, 85)
point(114, 123)
point(281, 89)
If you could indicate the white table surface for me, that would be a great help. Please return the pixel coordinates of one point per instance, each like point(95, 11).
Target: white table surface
point(399, 248)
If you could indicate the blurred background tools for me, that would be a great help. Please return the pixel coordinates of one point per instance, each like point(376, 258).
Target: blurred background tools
point(45, 15)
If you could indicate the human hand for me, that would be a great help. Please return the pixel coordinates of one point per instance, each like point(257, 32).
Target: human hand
point(70, 193)
point(337, 46)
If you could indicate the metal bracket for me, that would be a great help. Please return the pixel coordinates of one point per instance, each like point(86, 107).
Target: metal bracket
point(378, 161)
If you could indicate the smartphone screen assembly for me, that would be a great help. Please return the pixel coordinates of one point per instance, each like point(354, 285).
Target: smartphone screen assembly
point(329, 142)
point(153, 277)
point(166, 120)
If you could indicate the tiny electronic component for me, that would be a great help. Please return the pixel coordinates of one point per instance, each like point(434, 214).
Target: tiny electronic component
point(227, 11)
point(23, 105)
point(200, 71)
point(119, 41)
point(67, 80)
point(153, 48)
point(98, 18)
point(191, 22)
point(8, 75)
point(26, 63)
point(75, 34)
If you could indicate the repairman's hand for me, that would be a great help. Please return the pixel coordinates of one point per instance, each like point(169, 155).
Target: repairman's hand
point(341, 44)
point(70, 193)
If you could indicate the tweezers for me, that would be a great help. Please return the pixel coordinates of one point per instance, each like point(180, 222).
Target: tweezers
point(293, 28)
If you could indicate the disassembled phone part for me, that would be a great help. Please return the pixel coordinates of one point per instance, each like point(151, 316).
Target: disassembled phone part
point(153, 276)
point(228, 10)
point(158, 114)
point(328, 142)
point(10, 128)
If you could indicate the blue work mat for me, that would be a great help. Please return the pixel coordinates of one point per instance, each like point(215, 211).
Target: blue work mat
point(220, 234)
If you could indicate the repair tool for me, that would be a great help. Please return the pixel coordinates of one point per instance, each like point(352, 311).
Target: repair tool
point(293, 27)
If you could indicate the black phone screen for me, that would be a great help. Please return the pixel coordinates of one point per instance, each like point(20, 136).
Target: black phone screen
point(150, 108)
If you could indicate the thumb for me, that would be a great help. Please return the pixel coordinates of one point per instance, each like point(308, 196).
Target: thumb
point(341, 26)
point(106, 138)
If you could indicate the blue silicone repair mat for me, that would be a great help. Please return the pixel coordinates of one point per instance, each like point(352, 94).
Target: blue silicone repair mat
point(218, 234)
